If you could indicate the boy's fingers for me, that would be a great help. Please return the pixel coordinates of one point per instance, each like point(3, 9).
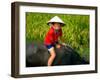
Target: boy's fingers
point(58, 46)
point(64, 44)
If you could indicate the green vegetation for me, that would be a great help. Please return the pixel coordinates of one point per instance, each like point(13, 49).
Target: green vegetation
point(75, 32)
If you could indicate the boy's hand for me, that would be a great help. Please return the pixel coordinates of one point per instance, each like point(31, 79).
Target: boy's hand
point(58, 46)
point(64, 44)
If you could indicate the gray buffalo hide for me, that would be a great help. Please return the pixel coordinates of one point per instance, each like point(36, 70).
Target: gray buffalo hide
point(37, 55)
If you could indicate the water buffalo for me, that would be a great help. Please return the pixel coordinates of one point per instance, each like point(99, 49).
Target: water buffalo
point(37, 55)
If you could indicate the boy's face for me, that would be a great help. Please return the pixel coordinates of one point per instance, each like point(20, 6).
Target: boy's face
point(57, 26)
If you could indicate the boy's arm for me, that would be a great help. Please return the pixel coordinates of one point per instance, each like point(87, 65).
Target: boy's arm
point(61, 39)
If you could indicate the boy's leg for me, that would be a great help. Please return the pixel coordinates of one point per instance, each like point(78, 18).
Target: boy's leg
point(52, 56)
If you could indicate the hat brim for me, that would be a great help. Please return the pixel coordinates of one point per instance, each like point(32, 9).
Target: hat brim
point(63, 24)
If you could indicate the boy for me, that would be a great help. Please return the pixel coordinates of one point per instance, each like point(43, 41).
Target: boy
point(52, 37)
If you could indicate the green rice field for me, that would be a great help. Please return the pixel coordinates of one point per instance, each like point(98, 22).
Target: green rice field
point(75, 32)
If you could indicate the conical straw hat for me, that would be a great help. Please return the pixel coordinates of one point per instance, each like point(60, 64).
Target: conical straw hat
point(55, 19)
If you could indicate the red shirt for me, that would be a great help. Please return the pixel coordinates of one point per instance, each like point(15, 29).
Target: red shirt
point(52, 36)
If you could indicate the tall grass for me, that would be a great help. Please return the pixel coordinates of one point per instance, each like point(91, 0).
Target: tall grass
point(75, 32)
